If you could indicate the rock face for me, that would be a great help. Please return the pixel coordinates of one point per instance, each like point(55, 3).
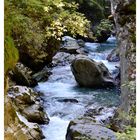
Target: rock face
point(22, 75)
point(89, 73)
point(38, 55)
point(88, 129)
point(28, 103)
point(124, 13)
point(16, 128)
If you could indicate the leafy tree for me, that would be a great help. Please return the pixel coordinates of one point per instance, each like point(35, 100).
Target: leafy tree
point(95, 10)
point(37, 20)
point(36, 27)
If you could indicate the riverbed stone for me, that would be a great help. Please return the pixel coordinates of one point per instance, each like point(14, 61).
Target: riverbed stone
point(34, 113)
point(81, 42)
point(89, 73)
point(16, 128)
point(42, 75)
point(22, 75)
point(28, 103)
point(63, 58)
point(69, 100)
point(88, 129)
point(70, 46)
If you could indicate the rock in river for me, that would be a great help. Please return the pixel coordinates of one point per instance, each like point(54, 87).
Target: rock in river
point(88, 129)
point(22, 75)
point(42, 75)
point(28, 103)
point(89, 73)
point(72, 46)
point(68, 100)
point(62, 59)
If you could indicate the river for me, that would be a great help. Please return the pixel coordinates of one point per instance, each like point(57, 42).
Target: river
point(61, 85)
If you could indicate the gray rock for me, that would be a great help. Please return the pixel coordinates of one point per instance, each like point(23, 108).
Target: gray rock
point(70, 46)
point(17, 127)
point(42, 75)
point(89, 73)
point(34, 113)
point(88, 129)
point(67, 38)
point(22, 75)
point(81, 42)
point(62, 58)
point(28, 103)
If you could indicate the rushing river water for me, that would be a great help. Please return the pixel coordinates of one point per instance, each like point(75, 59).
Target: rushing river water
point(61, 85)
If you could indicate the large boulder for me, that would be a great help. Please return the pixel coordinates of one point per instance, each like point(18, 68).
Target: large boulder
point(37, 53)
point(28, 103)
point(89, 73)
point(88, 129)
point(22, 75)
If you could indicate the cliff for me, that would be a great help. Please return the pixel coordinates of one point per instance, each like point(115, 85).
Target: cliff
point(124, 13)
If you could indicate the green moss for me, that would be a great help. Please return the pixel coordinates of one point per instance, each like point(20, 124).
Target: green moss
point(129, 134)
point(132, 6)
point(133, 38)
point(10, 54)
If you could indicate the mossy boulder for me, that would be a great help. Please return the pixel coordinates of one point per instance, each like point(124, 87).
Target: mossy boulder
point(88, 129)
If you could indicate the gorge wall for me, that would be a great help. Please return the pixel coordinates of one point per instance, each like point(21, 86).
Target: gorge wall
point(124, 13)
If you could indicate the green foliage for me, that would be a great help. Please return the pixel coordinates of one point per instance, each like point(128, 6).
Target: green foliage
point(104, 26)
point(36, 21)
point(95, 10)
point(64, 19)
point(129, 134)
point(10, 52)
